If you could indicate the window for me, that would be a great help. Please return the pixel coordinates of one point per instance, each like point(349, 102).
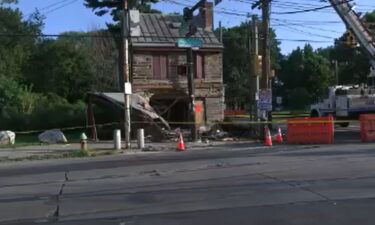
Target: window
point(181, 70)
point(160, 66)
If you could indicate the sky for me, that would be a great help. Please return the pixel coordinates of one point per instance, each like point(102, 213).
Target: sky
point(321, 26)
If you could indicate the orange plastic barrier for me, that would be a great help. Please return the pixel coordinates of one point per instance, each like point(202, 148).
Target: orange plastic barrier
point(319, 130)
point(367, 127)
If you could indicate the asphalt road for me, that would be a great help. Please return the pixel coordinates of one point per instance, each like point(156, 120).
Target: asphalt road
point(233, 184)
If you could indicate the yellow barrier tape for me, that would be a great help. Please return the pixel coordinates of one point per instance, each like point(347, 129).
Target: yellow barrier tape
point(191, 123)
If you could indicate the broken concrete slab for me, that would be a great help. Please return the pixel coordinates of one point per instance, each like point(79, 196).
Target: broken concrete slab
point(7, 137)
point(52, 137)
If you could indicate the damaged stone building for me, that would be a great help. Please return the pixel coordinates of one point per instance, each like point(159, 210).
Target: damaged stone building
point(159, 67)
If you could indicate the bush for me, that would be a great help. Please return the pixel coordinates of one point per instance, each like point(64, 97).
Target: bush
point(299, 98)
point(48, 113)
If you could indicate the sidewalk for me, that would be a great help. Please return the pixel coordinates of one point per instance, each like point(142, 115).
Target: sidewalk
point(38, 152)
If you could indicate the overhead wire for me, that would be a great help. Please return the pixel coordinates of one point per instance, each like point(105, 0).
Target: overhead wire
point(60, 7)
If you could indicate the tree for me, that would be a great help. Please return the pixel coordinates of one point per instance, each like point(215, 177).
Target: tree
point(354, 66)
point(3, 2)
point(236, 62)
point(370, 17)
point(16, 47)
point(102, 7)
point(103, 55)
point(64, 71)
point(305, 71)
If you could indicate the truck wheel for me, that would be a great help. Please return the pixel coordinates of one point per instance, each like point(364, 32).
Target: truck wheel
point(314, 113)
point(344, 124)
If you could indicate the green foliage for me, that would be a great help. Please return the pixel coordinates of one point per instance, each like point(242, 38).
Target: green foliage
point(3, 2)
point(236, 64)
point(47, 113)
point(15, 50)
point(305, 71)
point(299, 98)
point(370, 17)
point(64, 70)
point(102, 7)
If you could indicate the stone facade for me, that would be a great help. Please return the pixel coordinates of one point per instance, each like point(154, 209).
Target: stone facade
point(209, 89)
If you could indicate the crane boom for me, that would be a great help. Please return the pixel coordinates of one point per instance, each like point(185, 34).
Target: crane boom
point(352, 20)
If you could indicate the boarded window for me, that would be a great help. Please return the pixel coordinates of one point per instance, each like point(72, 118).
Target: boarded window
point(199, 66)
point(160, 66)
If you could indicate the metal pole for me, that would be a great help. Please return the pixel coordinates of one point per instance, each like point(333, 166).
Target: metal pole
point(191, 89)
point(117, 139)
point(124, 56)
point(141, 138)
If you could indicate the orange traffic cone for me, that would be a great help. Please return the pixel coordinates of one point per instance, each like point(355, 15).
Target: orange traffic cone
point(180, 144)
point(267, 137)
point(279, 136)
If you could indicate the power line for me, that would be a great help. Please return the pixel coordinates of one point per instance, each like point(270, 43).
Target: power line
point(145, 36)
point(48, 6)
point(60, 7)
point(307, 26)
point(308, 10)
point(288, 27)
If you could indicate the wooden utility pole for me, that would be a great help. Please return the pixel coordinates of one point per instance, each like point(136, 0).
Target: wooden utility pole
point(191, 90)
point(265, 84)
point(266, 63)
point(336, 65)
point(220, 32)
point(254, 70)
point(124, 69)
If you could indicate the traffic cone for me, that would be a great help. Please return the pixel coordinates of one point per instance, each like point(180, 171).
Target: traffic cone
point(279, 136)
point(267, 137)
point(180, 144)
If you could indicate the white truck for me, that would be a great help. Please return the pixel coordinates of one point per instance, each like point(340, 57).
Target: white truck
point(345, 102)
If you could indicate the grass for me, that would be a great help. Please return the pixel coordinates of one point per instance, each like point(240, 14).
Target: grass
point(32, 138)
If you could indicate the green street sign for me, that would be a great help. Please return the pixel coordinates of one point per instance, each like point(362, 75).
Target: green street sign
point(189, 43)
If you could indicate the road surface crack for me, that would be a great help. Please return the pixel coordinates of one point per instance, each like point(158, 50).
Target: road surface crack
point(295, 186)
point(54, 216)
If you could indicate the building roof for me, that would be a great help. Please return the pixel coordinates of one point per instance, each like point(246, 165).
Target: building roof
point(157, 30)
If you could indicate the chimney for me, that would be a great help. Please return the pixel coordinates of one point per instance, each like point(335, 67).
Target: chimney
point(206, 13)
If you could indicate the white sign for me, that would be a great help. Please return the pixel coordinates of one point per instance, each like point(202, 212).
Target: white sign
point(265, 99)
point(279, 100)
point(128, 88)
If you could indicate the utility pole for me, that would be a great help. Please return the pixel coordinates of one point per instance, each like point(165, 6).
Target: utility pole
point(124, 69)
point(254, 71)
point(266, 45)
point(265, 84)
point(336, 66)
point(188, 17)
point(220, 32)
point(191, 90)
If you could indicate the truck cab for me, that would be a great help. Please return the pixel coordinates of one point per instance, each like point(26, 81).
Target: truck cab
point(346, 102)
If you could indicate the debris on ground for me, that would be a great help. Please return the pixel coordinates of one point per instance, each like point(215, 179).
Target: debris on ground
point(52, 137)
point(7, 137)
